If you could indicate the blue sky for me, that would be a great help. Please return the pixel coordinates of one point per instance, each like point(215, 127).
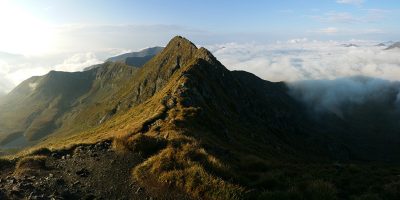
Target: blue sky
point(67, 24)
point(327, 19)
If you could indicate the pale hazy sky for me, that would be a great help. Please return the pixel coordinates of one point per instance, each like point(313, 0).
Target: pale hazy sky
point(40, 35)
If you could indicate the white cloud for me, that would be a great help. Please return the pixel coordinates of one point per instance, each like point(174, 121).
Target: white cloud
point(77, 62)
point(33, 86)
point(288, 61)
point(354, 2)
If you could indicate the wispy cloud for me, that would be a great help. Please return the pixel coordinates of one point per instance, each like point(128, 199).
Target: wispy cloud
point(353, 2)
point(348, 31)
point(338, 17)
point(367, 16)
point(376, 15)
point(329, 30)
point(341, 17)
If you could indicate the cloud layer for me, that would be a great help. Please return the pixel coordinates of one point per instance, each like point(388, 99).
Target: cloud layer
point(335, 95)
point(301, 59)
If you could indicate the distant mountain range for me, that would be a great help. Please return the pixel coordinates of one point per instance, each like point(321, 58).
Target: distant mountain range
point(389, 45)
point(350, 45)
point(394, 46)
point(196, 131)
point(135, 59)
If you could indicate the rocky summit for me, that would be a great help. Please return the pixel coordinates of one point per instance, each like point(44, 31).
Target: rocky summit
point(182, 126)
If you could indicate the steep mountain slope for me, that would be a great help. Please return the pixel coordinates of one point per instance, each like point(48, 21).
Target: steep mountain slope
point(369, 131)
point(361, 112)
point(42, 105)
point(32, 108)
point(184, 127)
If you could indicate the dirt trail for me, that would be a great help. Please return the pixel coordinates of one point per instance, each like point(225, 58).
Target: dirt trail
point(86, 172)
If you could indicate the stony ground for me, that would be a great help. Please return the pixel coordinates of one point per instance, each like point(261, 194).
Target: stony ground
point(85, 172)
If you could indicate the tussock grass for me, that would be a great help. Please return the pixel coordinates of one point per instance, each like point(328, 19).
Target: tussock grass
point(190, 168)
point(139, 143)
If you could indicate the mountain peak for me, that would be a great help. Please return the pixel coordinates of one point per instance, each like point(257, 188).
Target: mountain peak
point(185, 50)
point(181, 44)
point(180, 41)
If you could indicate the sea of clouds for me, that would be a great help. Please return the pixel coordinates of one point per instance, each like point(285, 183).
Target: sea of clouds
point(302, 59)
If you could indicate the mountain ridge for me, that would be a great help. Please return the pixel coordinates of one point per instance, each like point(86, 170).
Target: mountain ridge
point(134, 59)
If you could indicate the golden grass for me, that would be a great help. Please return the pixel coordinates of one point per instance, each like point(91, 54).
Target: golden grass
point(190, 168)
point(139, 143)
